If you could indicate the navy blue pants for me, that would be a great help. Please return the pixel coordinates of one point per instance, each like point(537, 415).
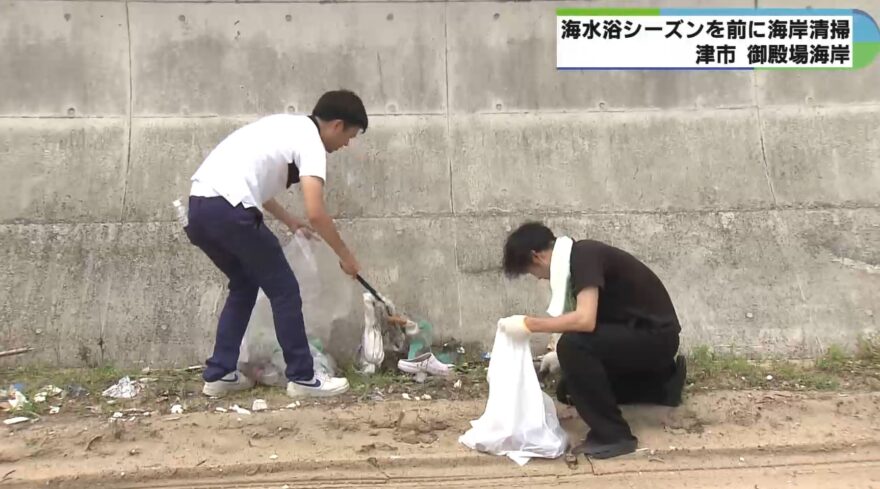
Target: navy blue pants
point(245, 250)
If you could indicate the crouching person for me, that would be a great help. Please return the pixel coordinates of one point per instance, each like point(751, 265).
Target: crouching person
point(619, 331)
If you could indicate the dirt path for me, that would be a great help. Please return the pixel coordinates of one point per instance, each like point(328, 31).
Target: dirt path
point(717, 439)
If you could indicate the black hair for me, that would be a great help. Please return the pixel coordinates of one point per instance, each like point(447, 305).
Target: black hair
point(344, 105)
point(528, 238)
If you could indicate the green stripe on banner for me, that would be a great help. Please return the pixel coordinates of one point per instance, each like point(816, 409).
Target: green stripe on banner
point(607, 12)
point(864, 53)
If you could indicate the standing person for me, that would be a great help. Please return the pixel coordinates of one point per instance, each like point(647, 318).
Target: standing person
point(619, 331)
point(236, 183)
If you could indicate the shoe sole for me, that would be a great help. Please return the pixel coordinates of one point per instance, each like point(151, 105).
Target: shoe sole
point(211, 391)
point(299, 394)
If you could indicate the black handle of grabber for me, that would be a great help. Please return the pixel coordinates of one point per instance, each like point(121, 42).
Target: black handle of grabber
point(370, 289)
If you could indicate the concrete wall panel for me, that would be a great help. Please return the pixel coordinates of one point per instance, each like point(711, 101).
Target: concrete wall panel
point(502, 57)
point(63, 58)
point(838, 258)
point(824, 156)
point(62, 170)
point(249, 59)
point(55, 289)
point(684, 160)
point(167, 297)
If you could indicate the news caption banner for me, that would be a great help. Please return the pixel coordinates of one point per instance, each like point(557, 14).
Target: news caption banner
point(714, 39)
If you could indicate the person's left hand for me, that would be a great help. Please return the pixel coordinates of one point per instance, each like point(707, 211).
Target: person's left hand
point(514, 326)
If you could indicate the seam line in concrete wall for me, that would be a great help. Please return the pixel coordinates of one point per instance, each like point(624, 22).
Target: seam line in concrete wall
point(449, 167)
point(761, 139)
point(507, 214)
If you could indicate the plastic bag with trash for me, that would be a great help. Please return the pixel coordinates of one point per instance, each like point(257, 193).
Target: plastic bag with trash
point(326, 297)
point(520, 419)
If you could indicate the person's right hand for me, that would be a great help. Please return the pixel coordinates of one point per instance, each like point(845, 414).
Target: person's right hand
point(350, 266)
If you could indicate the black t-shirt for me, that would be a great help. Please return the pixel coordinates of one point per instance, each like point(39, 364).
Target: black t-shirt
point(628, 289)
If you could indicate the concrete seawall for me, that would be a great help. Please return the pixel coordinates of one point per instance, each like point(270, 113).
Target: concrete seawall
point(755, 196)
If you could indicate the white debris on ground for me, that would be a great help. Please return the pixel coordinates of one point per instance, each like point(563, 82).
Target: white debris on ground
point(17, 420)
point(259, 405)
point(177, 409)
point(240, 410)
point(124, 389)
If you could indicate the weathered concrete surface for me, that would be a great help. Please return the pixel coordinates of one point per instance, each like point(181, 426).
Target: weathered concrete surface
point(248, 59)
point(62, 170)
point(824, 156)
point(590, 162)
point(63, 58)
point(753, 195)
point(55, 291)
point(809, 88)
point(502, 57)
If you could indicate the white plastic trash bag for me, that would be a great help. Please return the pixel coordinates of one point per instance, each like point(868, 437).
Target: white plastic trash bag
point(520, 419)
point(326, 297)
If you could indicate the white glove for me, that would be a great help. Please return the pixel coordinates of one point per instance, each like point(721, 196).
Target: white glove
point(549, 364)
point(514, 326)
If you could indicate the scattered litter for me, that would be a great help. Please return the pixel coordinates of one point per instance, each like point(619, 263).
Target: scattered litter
point(273, 457)
point(240, 410)
point(426, 397)
point(147, 380)
point(656, 459)
point(769, 377)
point(17, 420)
point(460, 350)
point(134, 451)
point(293, 405)
point(742, 459)
point(177, 409)
point(221, 410)
point(421, 377)
point(194, 368)
point(406, 396)
point(171, 418)
point(124, 389)
point(285, 486)
point(457, 384)
point(260, 405)
point(15, 397)
point(54, 409)
point(117, 415)
point(146, 370)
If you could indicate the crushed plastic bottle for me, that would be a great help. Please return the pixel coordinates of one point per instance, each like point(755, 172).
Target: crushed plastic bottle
point(181, 213)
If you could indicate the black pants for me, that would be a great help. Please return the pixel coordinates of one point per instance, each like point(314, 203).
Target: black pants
point(616, 364)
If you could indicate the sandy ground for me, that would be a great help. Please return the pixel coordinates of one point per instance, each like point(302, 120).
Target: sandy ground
point(717, 439)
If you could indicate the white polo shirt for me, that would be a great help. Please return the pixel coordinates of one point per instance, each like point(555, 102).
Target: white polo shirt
point(258, 161)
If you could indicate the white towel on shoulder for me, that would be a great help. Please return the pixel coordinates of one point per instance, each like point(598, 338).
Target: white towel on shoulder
point(560, 277)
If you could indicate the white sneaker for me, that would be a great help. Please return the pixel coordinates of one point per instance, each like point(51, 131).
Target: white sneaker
point(425, 362)
point(232, 382)
point(320, 386)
